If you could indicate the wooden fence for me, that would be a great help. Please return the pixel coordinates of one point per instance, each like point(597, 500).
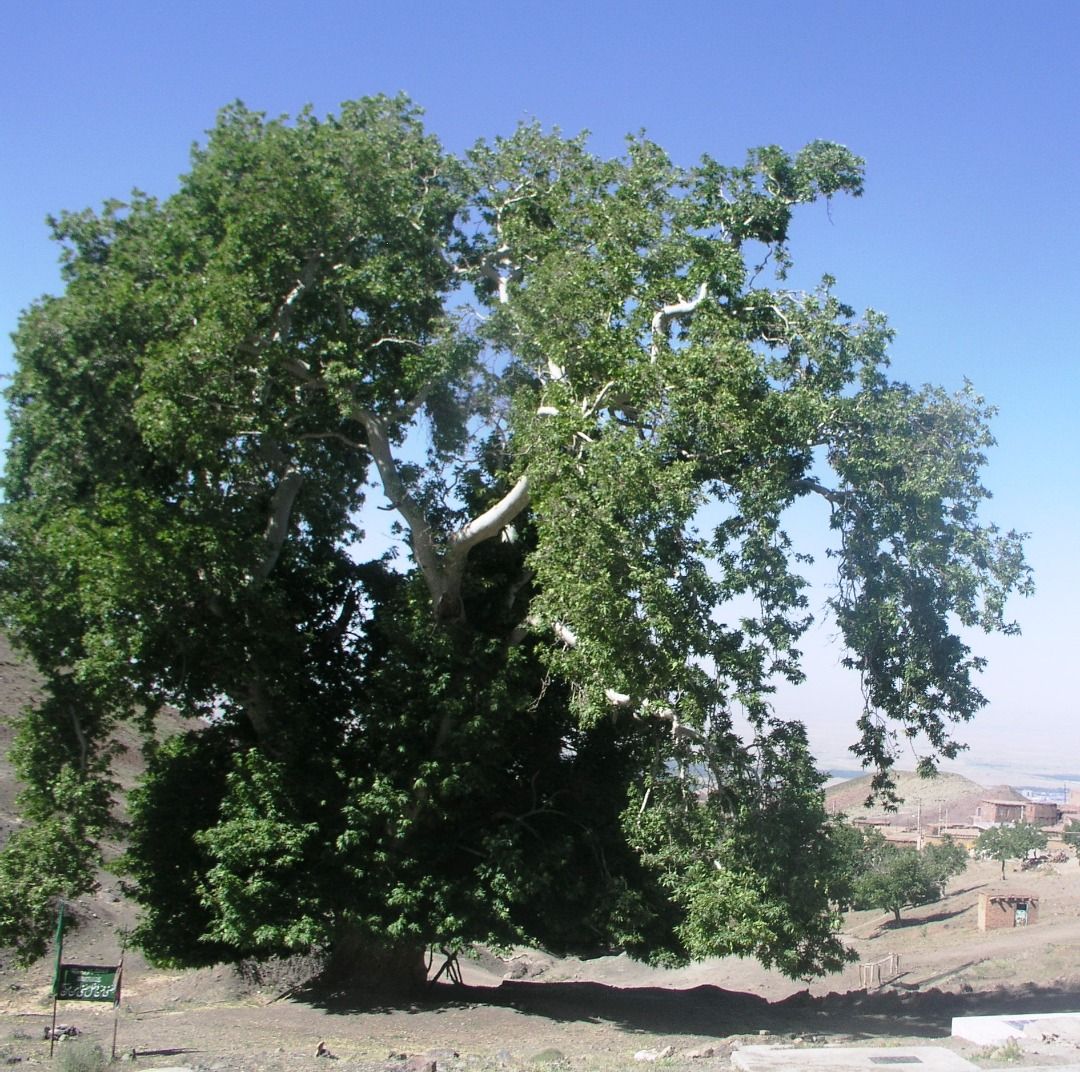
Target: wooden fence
point(878, 972)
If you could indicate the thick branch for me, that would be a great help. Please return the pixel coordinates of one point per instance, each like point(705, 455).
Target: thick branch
point(442, 572)
point(80, 736)
point(663, 317)
point(423, 546)
point(277, 526)
point(498, 268)
point(491, 521)
point(256, 705)
point(565, 634)
point(283, 315)
point(833, 495)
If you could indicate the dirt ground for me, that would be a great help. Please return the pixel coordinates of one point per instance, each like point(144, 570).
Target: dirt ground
point(535, 1010)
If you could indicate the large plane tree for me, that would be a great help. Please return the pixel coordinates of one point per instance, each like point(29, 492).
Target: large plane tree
point(447, 495)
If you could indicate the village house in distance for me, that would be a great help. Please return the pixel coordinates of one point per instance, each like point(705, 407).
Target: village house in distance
point(952, 806)
point(1041, 813)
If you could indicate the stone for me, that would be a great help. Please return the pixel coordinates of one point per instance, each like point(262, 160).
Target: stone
point(655, 1055)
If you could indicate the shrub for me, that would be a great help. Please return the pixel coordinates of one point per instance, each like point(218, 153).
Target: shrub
point(80, 1055)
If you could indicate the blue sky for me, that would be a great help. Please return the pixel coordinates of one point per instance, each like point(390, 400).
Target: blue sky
point(967, 114)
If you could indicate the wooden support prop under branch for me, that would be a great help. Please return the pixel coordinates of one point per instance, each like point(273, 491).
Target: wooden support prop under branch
point(450, 968)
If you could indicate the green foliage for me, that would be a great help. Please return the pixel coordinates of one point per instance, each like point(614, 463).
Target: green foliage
point(773, 879)
point(895, 876)
point(1071, 835)
point(165, 859)
point(1012, 842)
point(42, 864)
point(944, 859)
point(550, 719)
point(80, 1055)
point(66, 803)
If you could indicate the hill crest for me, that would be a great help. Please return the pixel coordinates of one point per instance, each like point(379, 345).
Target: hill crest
point(942, 798)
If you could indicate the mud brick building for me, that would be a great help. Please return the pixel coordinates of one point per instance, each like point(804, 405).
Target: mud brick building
point(998, 910)
point(1005, 812)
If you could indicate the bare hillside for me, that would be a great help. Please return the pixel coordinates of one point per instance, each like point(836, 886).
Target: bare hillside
point(100, 918)
point(19, 687)
point(942, 799)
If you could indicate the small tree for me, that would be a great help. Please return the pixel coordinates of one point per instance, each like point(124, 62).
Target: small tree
point(1071, 836)
point(944, 860)
point(897, 876)
point(1010, 842)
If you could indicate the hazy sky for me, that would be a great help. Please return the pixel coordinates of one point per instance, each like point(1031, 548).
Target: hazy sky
point(968, 115)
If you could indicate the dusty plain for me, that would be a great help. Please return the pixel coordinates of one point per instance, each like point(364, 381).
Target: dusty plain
point(536, 1013)
point(571, 1014)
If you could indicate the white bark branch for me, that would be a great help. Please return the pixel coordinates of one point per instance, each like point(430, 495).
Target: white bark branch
point(588, 408)
point(498, 267)
point(277, 525)
point(836, 496)
point(646, 709)
point(565, 634)
point(301, 369)
point(442, 571)
point(423, 546)
point(663, 317)
point(395, 339)
point(679, 730)
point(80, 736)
point(283, 315)
point(491, 521)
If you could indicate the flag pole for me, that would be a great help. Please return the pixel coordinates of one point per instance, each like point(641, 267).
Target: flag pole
point(116, 1000)
point(56, 975)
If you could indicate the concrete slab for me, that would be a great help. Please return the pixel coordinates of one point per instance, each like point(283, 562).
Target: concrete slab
point(850, 1059)
point(994, 1030)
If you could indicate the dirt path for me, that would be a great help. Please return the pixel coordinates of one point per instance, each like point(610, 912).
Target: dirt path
point(512, 1025)
point(598, 1013)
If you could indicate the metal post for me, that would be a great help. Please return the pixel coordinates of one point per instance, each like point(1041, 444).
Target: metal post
point(117, 992)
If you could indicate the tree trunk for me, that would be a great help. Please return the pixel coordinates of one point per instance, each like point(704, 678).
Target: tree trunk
point(382, 968)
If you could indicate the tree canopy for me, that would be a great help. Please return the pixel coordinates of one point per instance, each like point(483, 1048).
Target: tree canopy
point(584, 394)
point(1012, 842)
point(892, 876)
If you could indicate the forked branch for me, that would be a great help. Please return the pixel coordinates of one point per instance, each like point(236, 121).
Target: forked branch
point(662, 318)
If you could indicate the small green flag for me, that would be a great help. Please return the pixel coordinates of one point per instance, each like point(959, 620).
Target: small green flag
point(59, 941)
